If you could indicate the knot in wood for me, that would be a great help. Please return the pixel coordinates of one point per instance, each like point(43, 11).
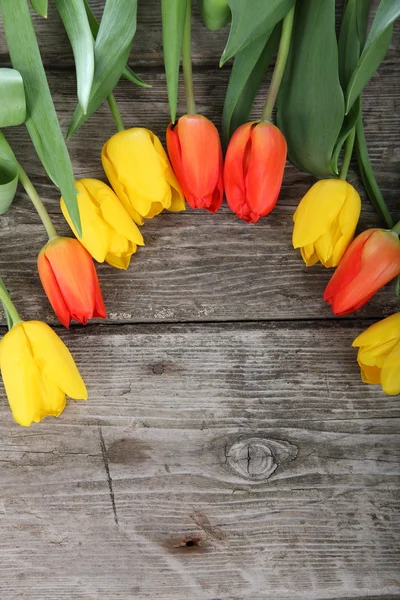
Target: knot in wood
point(258, 458)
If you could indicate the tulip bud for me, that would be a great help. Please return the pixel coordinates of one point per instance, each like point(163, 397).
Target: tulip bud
point(215, 13)
point(69, 279)
point(38, 372)
point(369, 263)
point(254, 167)
point(140, 173)
point(194, 148)
point(379, 354)
point(108, 232)
point(325, 221)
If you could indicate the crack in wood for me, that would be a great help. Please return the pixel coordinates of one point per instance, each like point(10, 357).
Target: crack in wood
point(109, 478)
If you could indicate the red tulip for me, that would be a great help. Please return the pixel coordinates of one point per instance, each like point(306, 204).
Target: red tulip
point(194, 148)
point(253, 172)
point(369, 263)
point(69, 279)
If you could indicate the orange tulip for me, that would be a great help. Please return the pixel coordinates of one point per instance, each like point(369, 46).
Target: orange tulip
point(253, 172)
point(194, 148)
point(369, 263)
point(69, 279)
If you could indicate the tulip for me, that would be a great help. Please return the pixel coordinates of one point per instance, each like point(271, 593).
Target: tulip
point(379, 354)
point(194, 148)
point(38, 372)
point(371, 261)
point(140, 173)
point(108, 232)
point(69, 279)
point(325, 221)
point(253, 172)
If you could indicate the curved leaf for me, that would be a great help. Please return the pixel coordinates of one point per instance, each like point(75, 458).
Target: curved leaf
point(249, 23)
point(310, 102)
point(12, 98)
point(375, 49)
point(40, 6)
point(173, 25)
point(111, 52)
point(248, 71)
point(42, 122)
point(75, 20)
point(352, 37)
point(349, 123)
point(8, 175)
point(94, 27)
point(215, 13)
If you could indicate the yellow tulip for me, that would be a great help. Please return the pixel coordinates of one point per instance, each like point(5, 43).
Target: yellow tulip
point(108, 232)
point(325, 221)
point(140, 173)
point(38, 371)
point(379, 354)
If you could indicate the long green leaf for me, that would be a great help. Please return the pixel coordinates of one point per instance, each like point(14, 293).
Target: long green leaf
point(111, 52)
point(42, 122)
point(127, 73)
point(75, 20)
point(310, 102)
point(173, 25)
point(352, 37)
point(248, 71)
point(12, 98)
point(8, 175)
point(40, 6)
point(349, 123)
point(249, 22)
point(375, 49)
point(215, 13)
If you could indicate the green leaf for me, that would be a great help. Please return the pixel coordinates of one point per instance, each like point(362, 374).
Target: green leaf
point(375, 49)
point(111, 52)
point(249, 23)
point(12, 98)
point(368, 177)
point(248, 71)
point(349, 123)
point(76, 23)
point(42, 122)
point(173, 25)
point(352, 37)
point(397, 286)
point(8, 175)
point(215, 13)
point(310, 102)
point(127, 72)
point(40, 6)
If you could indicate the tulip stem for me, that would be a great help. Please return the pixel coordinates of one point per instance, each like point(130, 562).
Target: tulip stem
point(11, 312)
point(280, 65)
point(348, 152)
point(112, 103)
point(396, 228)
point(37, 202)
point(187, 61)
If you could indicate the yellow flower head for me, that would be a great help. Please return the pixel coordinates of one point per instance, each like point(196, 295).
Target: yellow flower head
point(140, 173)
point(325, 221)
point(38, 371)
point(379, 354)
point(108, 232)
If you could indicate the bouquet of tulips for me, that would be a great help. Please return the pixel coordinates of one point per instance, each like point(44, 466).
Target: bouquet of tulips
point(316, 89)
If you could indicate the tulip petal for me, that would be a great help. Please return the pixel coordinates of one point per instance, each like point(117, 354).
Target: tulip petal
point(234, 181)
point(375, 355)
point(119, 262)
point(53, 291)
point(54, 359)
point(177, 199)
point(380, 332)
point(370, 374)
point(390, 375)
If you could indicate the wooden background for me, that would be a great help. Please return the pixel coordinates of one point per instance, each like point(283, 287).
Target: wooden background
point(226, 410)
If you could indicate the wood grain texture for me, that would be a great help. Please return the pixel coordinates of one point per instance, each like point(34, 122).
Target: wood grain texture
point(106, 502)
point(196, 266)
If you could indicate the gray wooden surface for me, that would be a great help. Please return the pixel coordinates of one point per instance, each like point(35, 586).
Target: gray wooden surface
point(228, 449)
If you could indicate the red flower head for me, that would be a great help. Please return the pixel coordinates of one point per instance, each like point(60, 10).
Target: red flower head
point(69, 279)
point(253, 172)
point(194, 148)
point(369, 263)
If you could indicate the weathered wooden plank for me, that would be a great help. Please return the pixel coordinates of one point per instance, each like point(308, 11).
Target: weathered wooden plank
point(257, 442)
point(195, 266)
